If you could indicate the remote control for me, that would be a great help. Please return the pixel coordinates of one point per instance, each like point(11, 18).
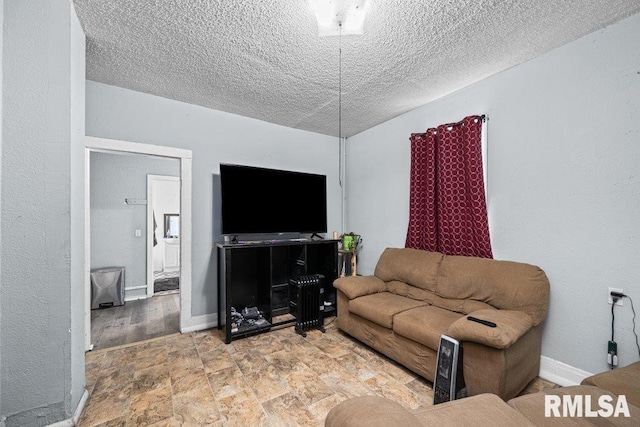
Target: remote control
point(484, 322)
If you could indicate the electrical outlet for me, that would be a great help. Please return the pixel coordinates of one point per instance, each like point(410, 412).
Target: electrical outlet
point(610, 300)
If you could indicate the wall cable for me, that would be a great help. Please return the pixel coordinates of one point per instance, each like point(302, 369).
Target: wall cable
point(633, 320)
point(634, 323)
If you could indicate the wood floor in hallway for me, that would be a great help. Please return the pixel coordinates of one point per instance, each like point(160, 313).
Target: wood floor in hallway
point(135, 321)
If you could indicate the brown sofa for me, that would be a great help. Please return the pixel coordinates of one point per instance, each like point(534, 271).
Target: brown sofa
point(415, 296)
point(490, 410)
point(376, 411)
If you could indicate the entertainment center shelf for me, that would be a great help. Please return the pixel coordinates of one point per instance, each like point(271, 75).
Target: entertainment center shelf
point(257, 274)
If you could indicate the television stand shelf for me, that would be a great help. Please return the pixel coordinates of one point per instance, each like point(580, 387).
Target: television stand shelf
point(258, 275)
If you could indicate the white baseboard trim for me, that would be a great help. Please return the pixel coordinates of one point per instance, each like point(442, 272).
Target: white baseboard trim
point(199, 323)
point(135, 298)
point(73, 421)
point(561, 373)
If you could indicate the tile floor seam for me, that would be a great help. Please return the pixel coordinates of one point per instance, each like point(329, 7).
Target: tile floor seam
point(204, 370)
point(272, 348)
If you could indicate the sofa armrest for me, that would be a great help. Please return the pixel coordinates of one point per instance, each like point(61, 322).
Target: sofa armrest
point(371, 411)
point(510, 326)
point(619, 381)
point(357, 286)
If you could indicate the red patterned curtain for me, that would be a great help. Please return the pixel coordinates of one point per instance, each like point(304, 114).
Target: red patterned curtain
point(447, 205)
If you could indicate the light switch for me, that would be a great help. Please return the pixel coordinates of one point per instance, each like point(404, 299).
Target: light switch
point(138, 232)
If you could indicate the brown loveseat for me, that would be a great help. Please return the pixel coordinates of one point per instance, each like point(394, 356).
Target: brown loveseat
point(489, 410)
point(416, 296)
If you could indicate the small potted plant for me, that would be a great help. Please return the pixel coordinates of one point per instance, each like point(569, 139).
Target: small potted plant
point(350, 241)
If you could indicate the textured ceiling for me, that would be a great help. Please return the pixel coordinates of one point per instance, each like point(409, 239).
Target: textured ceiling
point(264, 59)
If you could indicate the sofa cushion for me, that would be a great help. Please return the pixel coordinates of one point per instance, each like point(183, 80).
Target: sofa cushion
point(619, 381)
point(424, 324)
point(510, 326)
point(480, 410)
point(412, 266)
point(357, 286)
point(503, 284)
point(532, 406)
point(405, 290)
point(464, 306)
point(381, 307)
point(371, 411)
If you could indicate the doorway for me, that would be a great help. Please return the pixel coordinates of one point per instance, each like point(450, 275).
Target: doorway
point(163, 234)
point(102, 145)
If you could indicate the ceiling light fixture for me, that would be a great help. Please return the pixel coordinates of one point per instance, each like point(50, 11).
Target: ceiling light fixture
point(339, 17)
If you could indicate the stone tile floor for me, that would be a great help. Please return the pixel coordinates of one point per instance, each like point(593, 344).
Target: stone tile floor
point(274, 379)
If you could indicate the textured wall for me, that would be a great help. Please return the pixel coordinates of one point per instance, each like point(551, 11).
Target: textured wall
point(43, 66)
point(115, 177)
point(563, 182)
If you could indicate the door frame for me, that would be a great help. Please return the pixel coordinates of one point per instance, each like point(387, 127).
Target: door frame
point(150, 180)
point(132, 148)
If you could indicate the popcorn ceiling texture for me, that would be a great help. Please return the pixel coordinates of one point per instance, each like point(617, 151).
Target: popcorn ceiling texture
point(264, 59)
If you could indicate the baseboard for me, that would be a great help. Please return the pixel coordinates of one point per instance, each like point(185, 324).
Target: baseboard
point(44, 415)
point(73, 421)
point(199, 323)
point(561, 373)
point(133, 293)
point(135, 298)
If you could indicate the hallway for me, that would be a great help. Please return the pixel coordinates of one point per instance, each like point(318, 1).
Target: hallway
point(135, 321)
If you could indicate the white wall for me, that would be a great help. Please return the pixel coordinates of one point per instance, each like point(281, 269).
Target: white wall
point(76, 208)
point(114, 178)
point(563, 182)
point(214, 137)
point(166, 200)
point(42, 362)
point(1, 135)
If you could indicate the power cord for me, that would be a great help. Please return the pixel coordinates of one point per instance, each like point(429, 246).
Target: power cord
point(612, 346)
point(615, 296)
point(634, 323)
point(613, 316)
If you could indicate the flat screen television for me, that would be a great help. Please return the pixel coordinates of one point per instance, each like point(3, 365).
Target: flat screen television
point(262, 201)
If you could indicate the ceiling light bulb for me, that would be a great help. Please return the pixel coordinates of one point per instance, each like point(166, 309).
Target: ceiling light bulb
point(325, 12)
point(337, 17)
point(355, 19)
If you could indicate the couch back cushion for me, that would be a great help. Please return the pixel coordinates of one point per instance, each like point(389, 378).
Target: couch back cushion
point(503, 284)
point(464, 306)
point(412, 266)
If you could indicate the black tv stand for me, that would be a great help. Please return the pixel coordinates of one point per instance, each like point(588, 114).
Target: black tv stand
point(258, 275)
point(316, 235)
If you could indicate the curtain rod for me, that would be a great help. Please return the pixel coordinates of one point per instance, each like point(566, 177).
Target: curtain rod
point(482, 117)
point(451, 125)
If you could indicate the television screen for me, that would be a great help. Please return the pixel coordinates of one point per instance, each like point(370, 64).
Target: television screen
point(258, 200)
